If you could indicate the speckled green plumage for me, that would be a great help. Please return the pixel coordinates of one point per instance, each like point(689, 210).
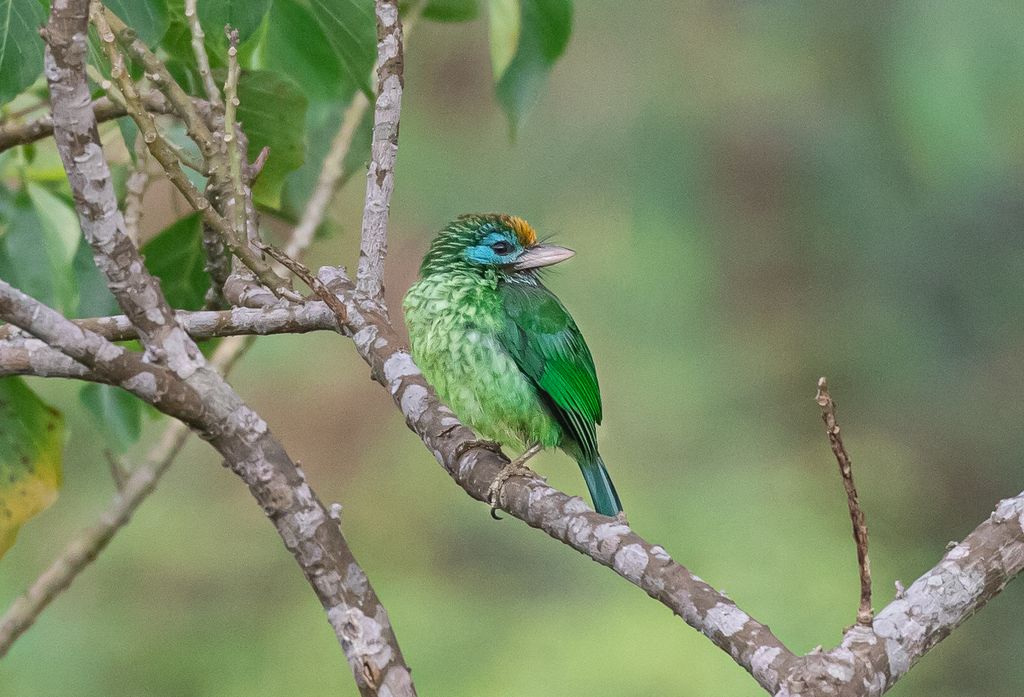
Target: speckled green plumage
point(502, 351)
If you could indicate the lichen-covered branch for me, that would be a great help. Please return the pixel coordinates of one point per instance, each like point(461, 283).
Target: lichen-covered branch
point(77, 138)
point(566, 518)
point(380, 178)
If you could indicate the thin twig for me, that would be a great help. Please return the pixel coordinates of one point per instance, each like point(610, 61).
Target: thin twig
point(169, 161)
point(380, 178)
point(182, 103)
point(133, 489)
point(332, 173)
point(860, 526)
point(315, 284)
point(199, 50)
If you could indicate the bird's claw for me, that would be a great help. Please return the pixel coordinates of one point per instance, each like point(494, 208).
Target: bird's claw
point(513, 469)
point(467, 445)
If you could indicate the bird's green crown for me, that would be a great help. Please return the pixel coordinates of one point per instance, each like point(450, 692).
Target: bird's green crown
point(476, 243)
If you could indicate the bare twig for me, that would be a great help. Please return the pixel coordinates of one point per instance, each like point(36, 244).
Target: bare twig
point(168, 158)
point(133, 489)
point(380, 178)
point(314, 283)
point(181, 102)
point(202, 59)
point(332, 173)
point(860, 526)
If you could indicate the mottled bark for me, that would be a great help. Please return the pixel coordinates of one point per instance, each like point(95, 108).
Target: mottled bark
point(77, 138)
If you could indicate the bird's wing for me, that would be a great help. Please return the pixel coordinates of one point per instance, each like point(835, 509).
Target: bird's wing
point(549, 349)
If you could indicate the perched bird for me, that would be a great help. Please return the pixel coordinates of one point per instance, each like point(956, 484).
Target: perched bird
point(502, 351)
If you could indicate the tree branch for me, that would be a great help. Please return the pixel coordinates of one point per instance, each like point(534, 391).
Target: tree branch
point(380, 178)
point(77, 138)
point(187, 389)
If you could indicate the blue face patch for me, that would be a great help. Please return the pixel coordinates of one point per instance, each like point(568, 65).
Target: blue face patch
point(497, 249)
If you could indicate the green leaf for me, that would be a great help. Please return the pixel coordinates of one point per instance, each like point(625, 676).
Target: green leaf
point(451, 10)
point(243, 15)
point(21, 49)
point(351, 29)
point(38, 247)
point(540, 39)
point(149, 18)
point(296, 46)
point(31, 445)
point(59, 221)
point(273, 113)
point(115, 413)
point(94, 298)
point(504, 34)
point(176, 257)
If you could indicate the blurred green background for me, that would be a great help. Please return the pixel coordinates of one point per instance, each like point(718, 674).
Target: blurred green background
point(759, 193)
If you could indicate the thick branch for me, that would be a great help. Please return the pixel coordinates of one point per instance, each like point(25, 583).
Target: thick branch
point(84, 548)
point(566, 518)
point(380, 178)
point(77, 137)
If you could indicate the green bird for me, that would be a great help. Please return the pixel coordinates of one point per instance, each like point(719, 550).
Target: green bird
point(502, 351)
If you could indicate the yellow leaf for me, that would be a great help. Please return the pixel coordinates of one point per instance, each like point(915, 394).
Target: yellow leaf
point(31, 450)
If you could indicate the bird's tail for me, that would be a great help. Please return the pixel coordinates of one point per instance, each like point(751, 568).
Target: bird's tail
point(602, 491)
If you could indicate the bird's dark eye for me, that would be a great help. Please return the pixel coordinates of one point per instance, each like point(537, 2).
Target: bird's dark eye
point(501, 248)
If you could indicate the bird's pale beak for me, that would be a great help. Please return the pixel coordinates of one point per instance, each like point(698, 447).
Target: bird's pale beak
point(541, 255)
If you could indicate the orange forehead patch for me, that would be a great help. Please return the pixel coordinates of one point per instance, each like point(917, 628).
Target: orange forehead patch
point(524, 231)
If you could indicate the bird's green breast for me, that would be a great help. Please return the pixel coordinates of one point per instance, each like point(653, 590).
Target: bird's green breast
point(454, 320)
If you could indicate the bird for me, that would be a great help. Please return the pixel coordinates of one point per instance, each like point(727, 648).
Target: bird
point(503, 352)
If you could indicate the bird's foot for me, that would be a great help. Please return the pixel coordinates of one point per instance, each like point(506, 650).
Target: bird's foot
point(467, 445)
point(516, 468)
